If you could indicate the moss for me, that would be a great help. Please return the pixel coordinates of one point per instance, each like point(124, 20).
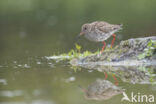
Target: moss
point(151, 46)
point(125, 56)
point(75, 53)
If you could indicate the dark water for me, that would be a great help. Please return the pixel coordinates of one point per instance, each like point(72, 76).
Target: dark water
point(31, 30)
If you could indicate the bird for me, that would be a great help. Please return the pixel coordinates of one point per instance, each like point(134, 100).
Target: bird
point(101, 90)
point(99, 31)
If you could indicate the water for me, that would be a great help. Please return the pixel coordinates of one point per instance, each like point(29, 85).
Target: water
point(32, 30)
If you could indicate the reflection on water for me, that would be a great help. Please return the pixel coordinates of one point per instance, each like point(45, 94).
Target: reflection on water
point(11, 93)
point(132, 74)
point(70, 79)
point(46, 81)
point(3, 81)
point(102, 90)
point(33, 102)
point(20, 93)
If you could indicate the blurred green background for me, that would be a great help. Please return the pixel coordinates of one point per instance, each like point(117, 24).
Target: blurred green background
point(52, 25)
point(33, 29)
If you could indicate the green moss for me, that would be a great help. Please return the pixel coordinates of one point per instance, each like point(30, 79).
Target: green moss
point(151, 46)
point(125, 43)
point(76, 53)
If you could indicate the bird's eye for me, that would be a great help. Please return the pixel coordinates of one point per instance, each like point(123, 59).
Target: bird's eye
point(85, 28)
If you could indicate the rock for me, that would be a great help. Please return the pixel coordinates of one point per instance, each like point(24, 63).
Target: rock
point(131, 60)
point(126, 50)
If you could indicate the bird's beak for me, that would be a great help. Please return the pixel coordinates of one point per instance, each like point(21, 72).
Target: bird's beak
point(84, 90)
point(81, 33)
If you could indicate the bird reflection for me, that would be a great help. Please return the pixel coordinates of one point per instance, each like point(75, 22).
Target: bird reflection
point(102, 90)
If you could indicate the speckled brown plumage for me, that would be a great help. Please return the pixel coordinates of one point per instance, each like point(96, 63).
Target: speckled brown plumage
point(99, 31)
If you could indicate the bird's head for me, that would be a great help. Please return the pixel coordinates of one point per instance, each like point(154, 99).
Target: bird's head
point(85, 29)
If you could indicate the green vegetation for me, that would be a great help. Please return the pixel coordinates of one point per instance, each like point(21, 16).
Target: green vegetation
point(75, 53)
point(151, 46)
point(149, 71)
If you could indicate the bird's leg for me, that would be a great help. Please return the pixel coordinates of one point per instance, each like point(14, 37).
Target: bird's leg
point(116, 81)
point(105, 75)
point(104, 45)
point(114, 36)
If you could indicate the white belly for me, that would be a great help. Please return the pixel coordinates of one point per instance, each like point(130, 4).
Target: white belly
point(97, 37)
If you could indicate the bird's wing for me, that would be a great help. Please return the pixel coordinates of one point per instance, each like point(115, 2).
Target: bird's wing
point(104, 27)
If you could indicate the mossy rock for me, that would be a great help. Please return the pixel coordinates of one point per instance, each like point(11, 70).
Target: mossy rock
point(132, 60)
